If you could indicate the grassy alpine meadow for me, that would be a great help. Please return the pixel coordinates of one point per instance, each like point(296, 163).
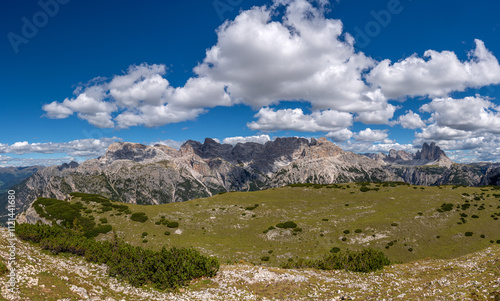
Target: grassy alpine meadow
point(271, 227)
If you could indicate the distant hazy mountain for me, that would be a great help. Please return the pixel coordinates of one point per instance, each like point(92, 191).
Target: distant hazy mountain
point(429, 155)
point(136, 173)
point(10, 176)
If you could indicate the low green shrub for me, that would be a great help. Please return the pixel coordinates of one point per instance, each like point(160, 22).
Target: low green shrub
point(103, 220)
point(335, 250)
point(445, 207)
point(347, 231)
point(106, 208)
point(365, 261)
point(286, 225)
point(265, 258)
point(252, 207)
point(358, 231)
point(139, 217)
point(468, 233)
point(102, 229)
point(364, 189)
point(172, 224)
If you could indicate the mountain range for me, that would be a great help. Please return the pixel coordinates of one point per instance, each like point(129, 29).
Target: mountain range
point(142, 174)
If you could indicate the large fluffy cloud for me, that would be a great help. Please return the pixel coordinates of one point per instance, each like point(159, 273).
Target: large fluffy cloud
point(467, 114)
point(304, 57)
point(436, 74)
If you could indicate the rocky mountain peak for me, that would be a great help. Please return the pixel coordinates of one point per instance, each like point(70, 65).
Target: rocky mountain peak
point(430, 152)
point(71, 164)
point(321, 148)
point(400, 155)
point(129, 151)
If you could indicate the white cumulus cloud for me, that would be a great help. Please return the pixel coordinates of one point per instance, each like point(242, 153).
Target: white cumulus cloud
point(410, 120)
point(371, 135)
point(76, 148)
point(295, 119)
point(340, 135)
point(262, 139)
point(436, 74)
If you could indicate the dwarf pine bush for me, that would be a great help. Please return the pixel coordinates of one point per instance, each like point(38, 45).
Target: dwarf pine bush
point(366, 260)
point(134, 264)
point(139, 217)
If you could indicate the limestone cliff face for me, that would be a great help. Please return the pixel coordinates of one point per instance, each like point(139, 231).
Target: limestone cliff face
point(136, 173)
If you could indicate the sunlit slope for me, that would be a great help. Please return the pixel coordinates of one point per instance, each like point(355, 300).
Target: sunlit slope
point(401, 220)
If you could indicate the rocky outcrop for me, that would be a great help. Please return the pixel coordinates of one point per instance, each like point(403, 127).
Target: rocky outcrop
point(31, 217)
point(492, 174)
point(432, 154)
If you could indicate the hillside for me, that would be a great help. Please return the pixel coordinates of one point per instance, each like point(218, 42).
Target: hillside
point(403, 221)
point(230, 226)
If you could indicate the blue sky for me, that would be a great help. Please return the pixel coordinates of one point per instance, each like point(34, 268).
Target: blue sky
point(370, 75)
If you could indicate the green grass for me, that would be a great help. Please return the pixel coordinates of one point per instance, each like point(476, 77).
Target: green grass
point(216, 226)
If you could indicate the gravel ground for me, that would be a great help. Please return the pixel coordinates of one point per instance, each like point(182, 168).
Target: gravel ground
point(42, 276)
